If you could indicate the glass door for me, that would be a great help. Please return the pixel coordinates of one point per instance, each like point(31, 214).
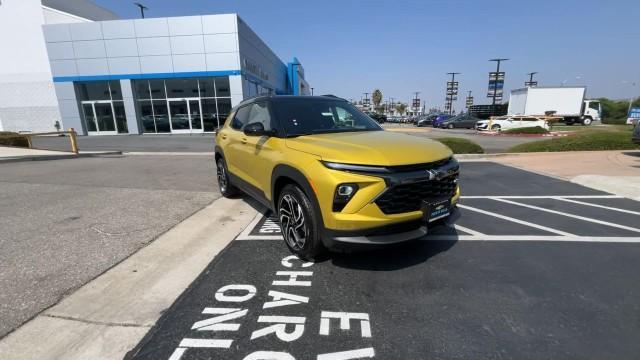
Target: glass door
point(99, 117)
point(89, 117)
point(196, 115)
point(185, 115)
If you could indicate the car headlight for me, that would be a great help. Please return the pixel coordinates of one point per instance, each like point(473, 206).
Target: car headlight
point(355, 168)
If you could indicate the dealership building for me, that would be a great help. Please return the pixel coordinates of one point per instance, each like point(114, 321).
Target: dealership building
point(160, 75)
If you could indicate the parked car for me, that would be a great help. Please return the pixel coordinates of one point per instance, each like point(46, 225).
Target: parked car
point(380, 118)
point(440, 118)
point(511, 122)
point(425, 120)
point(636, 133)
point(322, 166)
point(464, 121)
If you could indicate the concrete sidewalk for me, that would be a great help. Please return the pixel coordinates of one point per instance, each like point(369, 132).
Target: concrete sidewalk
point(14, 154)
point(108, 316)
point(616, 172)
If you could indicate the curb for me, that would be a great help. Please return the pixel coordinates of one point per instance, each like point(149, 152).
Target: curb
point(57, 157)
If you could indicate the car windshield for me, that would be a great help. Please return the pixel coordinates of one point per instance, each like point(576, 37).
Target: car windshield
point(319, 116)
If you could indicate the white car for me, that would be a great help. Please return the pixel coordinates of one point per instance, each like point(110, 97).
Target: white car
point(511, 122)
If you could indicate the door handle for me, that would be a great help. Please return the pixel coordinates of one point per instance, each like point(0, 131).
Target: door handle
point(223, 136)
point(243, 140)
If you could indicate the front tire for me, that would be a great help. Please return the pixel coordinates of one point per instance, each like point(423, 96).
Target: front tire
point(224, 184)
point(450, 126)
point(587, 121)
point(299, 223)
point(496, 127)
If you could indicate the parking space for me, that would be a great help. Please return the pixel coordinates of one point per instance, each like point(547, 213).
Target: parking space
point(532, 267)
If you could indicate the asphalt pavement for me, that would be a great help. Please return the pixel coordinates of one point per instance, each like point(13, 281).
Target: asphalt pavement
point(533, 267)
point(64, 222)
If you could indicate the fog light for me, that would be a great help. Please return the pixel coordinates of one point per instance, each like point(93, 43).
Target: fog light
point(346, 190)
point(344, 193)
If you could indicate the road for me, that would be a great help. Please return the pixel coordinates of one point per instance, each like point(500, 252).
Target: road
point(534, 267)
point(64, 222)
point(205, 142)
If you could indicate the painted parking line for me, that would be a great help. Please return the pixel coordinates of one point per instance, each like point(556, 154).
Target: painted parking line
point(596, 205)
point(583, 218)
point(517, 221)
point(475, 224)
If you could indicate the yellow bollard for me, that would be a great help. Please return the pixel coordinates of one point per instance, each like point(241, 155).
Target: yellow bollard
point(74, 140)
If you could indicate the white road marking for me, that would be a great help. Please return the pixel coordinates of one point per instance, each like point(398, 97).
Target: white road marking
point(467, 230)
point(597, 205)
point(517, 221)
point(584, 218)
point(598, 239)
point(543, 197)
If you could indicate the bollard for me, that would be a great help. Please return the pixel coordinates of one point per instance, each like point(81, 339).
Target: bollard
point(74, 141)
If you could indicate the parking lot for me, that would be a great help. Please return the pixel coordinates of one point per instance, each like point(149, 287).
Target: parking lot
point(533, 267)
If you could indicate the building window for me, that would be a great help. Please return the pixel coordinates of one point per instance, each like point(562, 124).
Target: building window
point(182, 104)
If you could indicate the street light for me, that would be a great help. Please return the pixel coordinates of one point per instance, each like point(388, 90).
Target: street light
point(142, 8)
point(311, 91)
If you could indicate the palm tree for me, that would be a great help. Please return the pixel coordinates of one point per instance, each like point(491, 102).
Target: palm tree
point(400, 108)
point(376, 97)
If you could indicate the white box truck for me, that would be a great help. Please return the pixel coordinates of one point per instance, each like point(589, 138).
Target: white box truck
point(567, 102)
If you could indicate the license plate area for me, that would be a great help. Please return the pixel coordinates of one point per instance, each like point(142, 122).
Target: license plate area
point(433, 210)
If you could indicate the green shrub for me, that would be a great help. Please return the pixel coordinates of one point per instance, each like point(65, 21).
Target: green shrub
point(527, 130)
point(587, 141)
point(8, 138)
point(613, 121)
point(461, 146)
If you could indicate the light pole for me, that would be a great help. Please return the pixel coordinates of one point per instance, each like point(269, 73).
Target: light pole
point(495, 85)
point(311, 91)
point(142, 8)
point(632, 97)
point(450, 91)
point(531, 83)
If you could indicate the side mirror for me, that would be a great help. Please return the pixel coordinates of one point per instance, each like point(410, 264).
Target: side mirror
point(256, 129)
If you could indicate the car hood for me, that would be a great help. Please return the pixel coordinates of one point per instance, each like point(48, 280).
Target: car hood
point(383, 148)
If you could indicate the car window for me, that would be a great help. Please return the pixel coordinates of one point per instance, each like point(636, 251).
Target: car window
point(259, 112)
point(241, 118)
point(313, 116)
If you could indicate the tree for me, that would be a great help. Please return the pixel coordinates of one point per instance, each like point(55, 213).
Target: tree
point(400, 108)
point(376, 97)
point(615, 110)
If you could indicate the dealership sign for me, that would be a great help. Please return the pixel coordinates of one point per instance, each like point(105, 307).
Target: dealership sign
point(496, 84)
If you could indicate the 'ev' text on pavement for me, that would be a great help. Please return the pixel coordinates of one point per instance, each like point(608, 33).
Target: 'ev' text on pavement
point(220, 320)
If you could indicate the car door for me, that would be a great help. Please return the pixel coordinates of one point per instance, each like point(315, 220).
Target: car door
point(234, 140)
point(468, 122)
point(259, 153)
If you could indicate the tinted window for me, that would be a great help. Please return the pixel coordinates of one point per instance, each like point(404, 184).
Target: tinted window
point(314, 116)
point(241, 118)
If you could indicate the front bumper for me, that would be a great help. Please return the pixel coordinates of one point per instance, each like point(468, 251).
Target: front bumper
point(384, 211)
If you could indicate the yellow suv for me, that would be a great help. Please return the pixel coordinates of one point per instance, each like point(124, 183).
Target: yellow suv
point(332, 175)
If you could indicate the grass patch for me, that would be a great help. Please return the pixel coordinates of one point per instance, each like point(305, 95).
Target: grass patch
point(527, 130)
point(8, 138)
point(585, 141)
point(461, 146)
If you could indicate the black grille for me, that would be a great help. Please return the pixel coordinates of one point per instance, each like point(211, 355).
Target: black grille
point(408, 197)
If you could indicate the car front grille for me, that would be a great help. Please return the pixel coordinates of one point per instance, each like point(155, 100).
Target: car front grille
point(408, 197)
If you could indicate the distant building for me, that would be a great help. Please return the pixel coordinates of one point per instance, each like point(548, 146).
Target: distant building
point(27, 97)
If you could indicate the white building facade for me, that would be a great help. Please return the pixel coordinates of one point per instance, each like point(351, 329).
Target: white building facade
point(27, 98)
point(161, 75)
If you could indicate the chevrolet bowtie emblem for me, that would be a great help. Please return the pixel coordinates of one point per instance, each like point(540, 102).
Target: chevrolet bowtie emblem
point(434, 174)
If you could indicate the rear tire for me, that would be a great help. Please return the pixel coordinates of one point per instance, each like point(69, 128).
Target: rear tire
point(299, 223)
point(224, 184)
point(450, 126)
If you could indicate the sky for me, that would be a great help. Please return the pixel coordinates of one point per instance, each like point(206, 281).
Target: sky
point(349, 47)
